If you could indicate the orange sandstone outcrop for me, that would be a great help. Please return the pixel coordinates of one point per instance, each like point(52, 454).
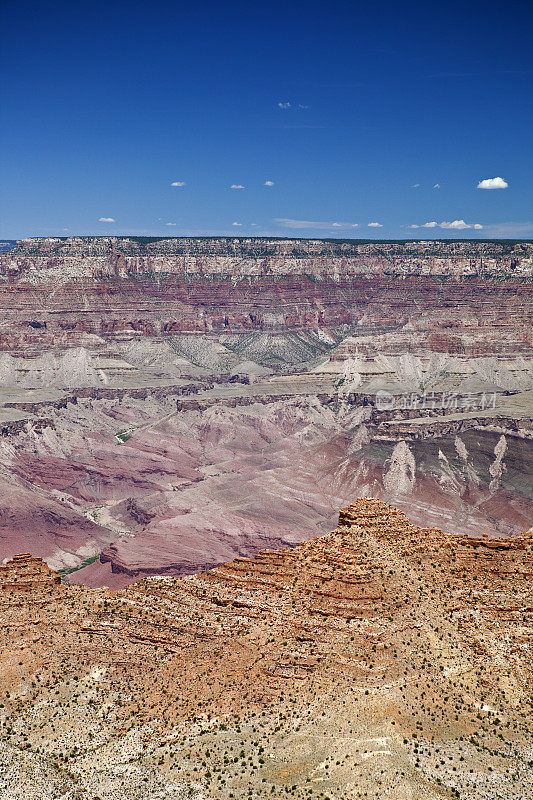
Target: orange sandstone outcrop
point(379, 655)
point(362, 602)
point(26, 573)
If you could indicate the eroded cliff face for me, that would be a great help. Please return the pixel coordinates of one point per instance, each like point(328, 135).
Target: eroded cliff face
point(120, 488)
point(108, 286)
point(167, 405)
point(259, 247)
point(380, 659)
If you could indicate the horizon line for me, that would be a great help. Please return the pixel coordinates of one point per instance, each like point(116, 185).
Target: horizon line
point(268, 237)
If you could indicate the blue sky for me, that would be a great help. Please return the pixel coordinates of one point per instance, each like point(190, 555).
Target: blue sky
point(356, 113)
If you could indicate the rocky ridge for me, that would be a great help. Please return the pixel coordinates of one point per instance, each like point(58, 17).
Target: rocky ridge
point(258, 246)
point(382, 659)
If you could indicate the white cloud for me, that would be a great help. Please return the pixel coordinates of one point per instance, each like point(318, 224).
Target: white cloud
point(302, 107)
point(306, 223)
point(285, 105)
point(268, 183)
point(460, 225)
point(178, 183)
point(375, 225)
point(457, 224)
point(171, 223)
point(436, 185)
point(415, 185)
point(236, 186)
point(236, 223)
point(493, 183)
point(106, 219)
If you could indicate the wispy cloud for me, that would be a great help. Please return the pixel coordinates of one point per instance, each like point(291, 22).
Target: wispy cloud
point(178, 183)
point(414, 186)
point(236, 186)
point(237, 224)
point(310, 224)
point(106, 219)
point(493, 183)
point(268, 183)
point(172, 224)
point(436, 185)
point(510, 230)
point(375, 225)
point(286, 105)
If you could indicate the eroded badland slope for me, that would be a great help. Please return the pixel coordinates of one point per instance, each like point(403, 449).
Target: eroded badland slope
point(169, 404)
point(381, 660)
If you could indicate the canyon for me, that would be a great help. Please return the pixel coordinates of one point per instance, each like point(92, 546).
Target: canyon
point(185, 613)
point(169, 404)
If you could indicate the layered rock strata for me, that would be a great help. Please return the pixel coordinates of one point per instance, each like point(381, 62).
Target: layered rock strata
point(27, 573)
point(381, 659)
point(99, 287)
point(231, 389)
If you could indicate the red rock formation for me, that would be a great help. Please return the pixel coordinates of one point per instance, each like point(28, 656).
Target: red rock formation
point(98, 287)
point(380, 631)
point(25, 573)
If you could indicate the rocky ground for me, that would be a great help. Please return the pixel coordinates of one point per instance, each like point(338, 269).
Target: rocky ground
point(381, 660)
